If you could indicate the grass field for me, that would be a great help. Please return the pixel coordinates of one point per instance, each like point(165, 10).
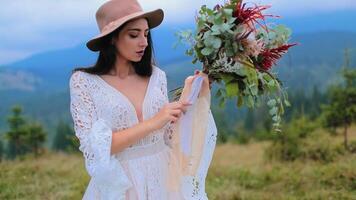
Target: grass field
point(237, 172)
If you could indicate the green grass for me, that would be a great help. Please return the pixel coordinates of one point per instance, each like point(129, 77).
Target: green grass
point(52, 176)
point(292, 180)
point(237, 172)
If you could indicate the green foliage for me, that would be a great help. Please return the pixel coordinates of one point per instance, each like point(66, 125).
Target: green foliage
point(236, 172)
point(286, 147)
point(243, 138)
point(223, 129)
point(65, 139)
point(1, 149)
point(249, 123)
point(352, 147)
point(35, 137)
point(223, 137)
point(16, 136)
point(231, 54)
point(50, 176)
point(276, 37)
point(289, 146)
point(241, 176)
point(342, 108)
point(23, 137)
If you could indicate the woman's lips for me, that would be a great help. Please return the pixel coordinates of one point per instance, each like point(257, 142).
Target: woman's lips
point(140, 53)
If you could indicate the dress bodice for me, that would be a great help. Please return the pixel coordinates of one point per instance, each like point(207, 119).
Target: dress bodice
point(116, 109)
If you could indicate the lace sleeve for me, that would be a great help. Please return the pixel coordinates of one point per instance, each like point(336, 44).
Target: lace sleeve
point(95, 141)
point(168, 129)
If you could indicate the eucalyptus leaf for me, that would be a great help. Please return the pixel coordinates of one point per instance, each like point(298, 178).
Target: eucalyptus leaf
point(232, 89)
point(273, 111)
point(228, 12)
point(227, 78)
point(218, 93)
point(218, 19)
point(217, 43)
point(276, 118)
point(254, 89)
point(271, 102)
point(250, 101)
point(240, 101)
point(222, 103)
point(271, 83)
point(207, 51)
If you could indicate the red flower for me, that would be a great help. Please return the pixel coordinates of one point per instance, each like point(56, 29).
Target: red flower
point(250, 15)
point(269, 57)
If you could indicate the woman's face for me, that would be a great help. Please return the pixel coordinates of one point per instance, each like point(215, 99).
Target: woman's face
point(132, 40)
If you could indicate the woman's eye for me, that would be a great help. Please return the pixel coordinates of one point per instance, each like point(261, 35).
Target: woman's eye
point(133, 36)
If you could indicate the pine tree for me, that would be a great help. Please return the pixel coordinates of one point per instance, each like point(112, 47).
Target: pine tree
point(64, 139)
point(314, 103)
point(23, 137)
point(17, 133)
point(35, 137)
point(250, 121)
point(342, 108)
point(1, 150)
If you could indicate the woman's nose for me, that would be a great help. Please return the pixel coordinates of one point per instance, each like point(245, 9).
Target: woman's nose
point(143, 42)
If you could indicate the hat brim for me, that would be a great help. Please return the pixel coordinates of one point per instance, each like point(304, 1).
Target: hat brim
point(154, 19)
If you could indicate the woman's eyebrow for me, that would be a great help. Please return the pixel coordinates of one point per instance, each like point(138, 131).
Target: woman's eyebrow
point(136, 29)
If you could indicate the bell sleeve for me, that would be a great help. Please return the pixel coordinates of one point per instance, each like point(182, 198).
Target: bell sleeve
point(95, 138)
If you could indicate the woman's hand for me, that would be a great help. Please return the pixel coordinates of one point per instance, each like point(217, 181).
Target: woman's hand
point(205, 89)
point(170, 112)
point(207, 80)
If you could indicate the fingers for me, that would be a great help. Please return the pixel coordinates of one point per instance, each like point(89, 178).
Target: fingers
point(208, 80)
point(175, 115)
point(184, 106)
point(173, 119)
point(179, 104)
point(189, 80)
point(179, 107)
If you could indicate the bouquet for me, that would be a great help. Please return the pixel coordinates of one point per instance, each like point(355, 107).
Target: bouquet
point(238, 50)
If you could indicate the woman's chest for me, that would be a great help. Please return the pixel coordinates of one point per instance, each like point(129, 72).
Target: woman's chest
point(118, 110)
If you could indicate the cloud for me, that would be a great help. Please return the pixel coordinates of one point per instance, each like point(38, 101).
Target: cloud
point(28, 26)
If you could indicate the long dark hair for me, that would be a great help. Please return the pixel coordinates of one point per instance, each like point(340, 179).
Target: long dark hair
point(107, 57)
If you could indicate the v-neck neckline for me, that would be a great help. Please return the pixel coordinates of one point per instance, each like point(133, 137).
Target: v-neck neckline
point(127, 99)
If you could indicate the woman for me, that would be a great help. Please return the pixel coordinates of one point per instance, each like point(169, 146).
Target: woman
point(121, 111)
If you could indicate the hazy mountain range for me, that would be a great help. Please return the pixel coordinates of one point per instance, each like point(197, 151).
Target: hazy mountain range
point(40, 82)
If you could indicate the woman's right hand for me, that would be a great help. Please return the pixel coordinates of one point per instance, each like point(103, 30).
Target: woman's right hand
point(170, 112)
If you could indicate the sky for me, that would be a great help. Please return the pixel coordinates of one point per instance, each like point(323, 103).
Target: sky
point(32, 26)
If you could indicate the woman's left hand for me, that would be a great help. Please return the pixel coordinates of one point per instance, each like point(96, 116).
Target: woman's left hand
point(207, 80)
point(188, 85)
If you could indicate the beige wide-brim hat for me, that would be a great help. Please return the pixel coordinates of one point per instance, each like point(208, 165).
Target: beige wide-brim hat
point(114, 13)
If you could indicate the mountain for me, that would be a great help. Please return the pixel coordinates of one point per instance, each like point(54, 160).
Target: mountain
point(320, 22)
point(50, 71)
point(40, 82)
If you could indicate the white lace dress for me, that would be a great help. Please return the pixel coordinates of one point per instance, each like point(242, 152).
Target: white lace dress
point(140, 171)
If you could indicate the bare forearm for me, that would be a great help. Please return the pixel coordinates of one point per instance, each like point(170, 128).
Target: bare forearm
point(168, 113)
point(125, 138)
